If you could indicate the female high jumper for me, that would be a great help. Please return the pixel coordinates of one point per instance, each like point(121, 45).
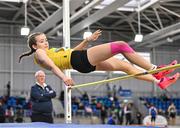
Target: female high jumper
point(96, 58)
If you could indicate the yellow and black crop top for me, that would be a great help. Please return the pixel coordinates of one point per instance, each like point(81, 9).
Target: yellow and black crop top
point(60, 56)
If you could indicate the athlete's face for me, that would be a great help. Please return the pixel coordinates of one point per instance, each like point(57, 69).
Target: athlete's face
point(41, 42)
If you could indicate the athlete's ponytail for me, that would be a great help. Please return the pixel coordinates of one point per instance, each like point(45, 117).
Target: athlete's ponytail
point(31, 41)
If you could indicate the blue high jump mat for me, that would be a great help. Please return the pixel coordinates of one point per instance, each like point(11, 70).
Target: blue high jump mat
point(47, 125)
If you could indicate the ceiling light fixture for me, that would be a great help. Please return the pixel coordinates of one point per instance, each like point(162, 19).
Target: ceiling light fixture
point(139, 36)
point(25, 30)
point(88, 33)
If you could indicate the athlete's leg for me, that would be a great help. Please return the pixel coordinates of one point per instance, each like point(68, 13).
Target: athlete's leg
point(102, 52)
point(135, 58)
point(131, 55)
point(114, 64)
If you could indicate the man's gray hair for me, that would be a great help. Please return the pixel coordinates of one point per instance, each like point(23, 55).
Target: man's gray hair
point(38, 72)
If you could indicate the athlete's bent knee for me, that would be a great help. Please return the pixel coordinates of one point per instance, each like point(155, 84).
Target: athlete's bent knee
point(120, 47)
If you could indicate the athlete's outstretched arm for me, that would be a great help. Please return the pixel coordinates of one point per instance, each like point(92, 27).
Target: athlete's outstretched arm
point(84, 43)
point(49, 64)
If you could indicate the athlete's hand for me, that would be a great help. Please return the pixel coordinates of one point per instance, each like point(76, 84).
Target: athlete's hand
point(94, 36)
point(68, 81)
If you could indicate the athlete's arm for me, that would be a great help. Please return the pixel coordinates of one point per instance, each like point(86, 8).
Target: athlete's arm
point(49, 64)
point(84, 43)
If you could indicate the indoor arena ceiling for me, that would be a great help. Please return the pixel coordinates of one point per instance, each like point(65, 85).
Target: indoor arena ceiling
point(160, 19)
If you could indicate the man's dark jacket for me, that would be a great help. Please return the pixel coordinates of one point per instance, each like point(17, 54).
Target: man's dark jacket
point(41, 99)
